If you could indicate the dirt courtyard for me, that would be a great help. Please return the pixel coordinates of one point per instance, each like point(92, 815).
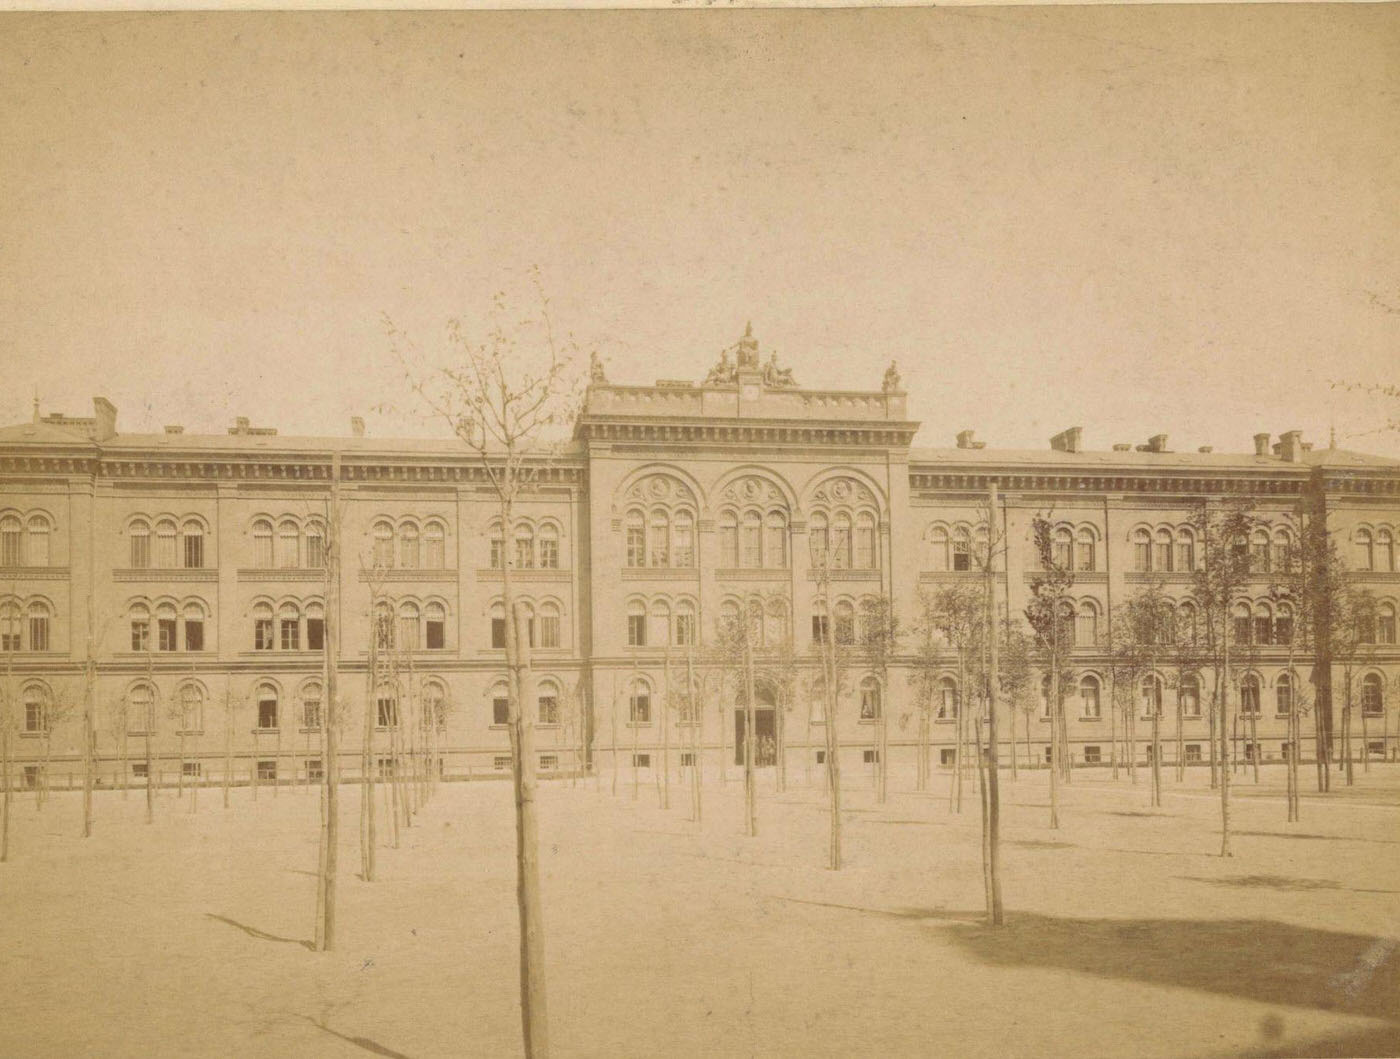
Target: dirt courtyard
point(1126, 934)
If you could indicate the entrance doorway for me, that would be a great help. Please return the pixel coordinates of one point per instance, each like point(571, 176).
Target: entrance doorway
point(765, 727)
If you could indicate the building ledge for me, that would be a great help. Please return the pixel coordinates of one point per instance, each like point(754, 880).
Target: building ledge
point(173, 573)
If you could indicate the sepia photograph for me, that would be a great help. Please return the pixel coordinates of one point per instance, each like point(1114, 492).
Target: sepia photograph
point(701, 531)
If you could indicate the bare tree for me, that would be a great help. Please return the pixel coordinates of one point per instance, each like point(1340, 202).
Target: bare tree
point(834, 644)
point(332, 548)
point(503, 395)
point(1047, 616)
point(880, 634)
point(1146, 630)
point(955, 615)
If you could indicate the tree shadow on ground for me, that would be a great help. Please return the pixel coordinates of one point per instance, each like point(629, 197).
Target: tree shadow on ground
point(261, 935)
point(368, 1045)
point(1318, 838)
point(1254, 959)
point(1280, 882)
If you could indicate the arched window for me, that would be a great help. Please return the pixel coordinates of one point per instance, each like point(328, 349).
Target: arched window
point(498, 546)
point(1150, 695)
point(548, 546)
point(524, 547)
point(435, 626)
point(434, 705)
point(841, 541)
point(1185, 551)
point(1365, 551)
point(751, 539)
point(9, 626)
point(38, 541)
point(683, 539)
point(386, 707)
point(10, 541)
point(289, 627)
point(685, 623)
point(192, 537)
point(315, 627)
point(659, 539)
point(167, 629)
point(549, 624)
point(1372, 695)
point(775, 623)
point(1062, 548)
point(435, 548)
point(1186, 630)
point(140, 627)
point(659, 626)
point(498, 627)
point(636, 624)
point(1142, 550)
point(191, 708)
point(1259, 550)
point(1086, 632)
point(1162, 551)
point(384, 626)
point(1385, 623)
point(1263, 624)
point(383, 544)
point(845, 615)
point(500, 705)
point(1283, 624)
point(754, 610)
point(1249, 696)
point(38, 626)
point(311, 698)
point(1089, 705)
point(639, 702)
point(165, 544)
point(315, 546)
point(267, 707)
point(938, 549)
point(1243, 625)
point(1045, 696)
point(962, 549)
point(1190, 695)
point(819, 538)
point(775, 542)
point(1281, 549)
point(947, 699)
point(869, 699)
point(408, 546)
point(1068, 624)
point(288, 544)
point(262, 544)
point(408, 625)
point(36, 712)
point(548, 696)
point(866, 554)
point(194, 627)
point(728, 618)
point(1283, 695)
point(141, 710)
point(263, 638)
point(139, 534)
point(1385, 551)
point(1084, 550)
point(636, 540)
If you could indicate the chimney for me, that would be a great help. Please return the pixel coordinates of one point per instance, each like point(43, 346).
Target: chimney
point(357, 426)
point(1206, 448)
point(1157, 443)
point(105, 412)
point(1067, 440)
point(1261, 444)
point(1122, 446)
point(1290, 444)
point(174, 428)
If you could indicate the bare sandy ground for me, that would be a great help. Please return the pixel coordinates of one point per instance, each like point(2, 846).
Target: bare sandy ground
point(1127, 935)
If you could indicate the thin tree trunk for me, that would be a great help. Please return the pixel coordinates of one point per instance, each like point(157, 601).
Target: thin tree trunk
point(367, 835)
point(750, 781)
point(1254, 738)
point(1224, 738)
point(330, 723)
point(830, 692)
point(666, 736)
point(1113, 721)
point(613, 713)
point(992, 844)
point(89, 739)
point(5, 722)
point(1054, 719)
point(228, 742)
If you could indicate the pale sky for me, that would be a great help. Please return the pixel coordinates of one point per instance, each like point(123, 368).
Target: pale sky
point(1137, 220)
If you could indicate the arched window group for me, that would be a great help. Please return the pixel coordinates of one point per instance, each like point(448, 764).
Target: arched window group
point(165, 542)
point(844, 540)
point(852, 622)
point(25, 539)
point(167, 624)
point(1375, 624)
point(533, 545)
point(543, 623)
point(548, 703)
point(1164, 549)
point(753, 538)
point(764, 621)
point(1375, 548)
point(1074, 547)
point(289, 625)
point(409, 544)
point(410, 624)
point(662, 621)
point(26, 625)
point(958, 547)
point(288, 543)
point(1262, 623)
point(659, 537)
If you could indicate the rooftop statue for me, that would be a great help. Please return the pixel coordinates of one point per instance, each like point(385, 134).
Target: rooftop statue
point(595, 368)
point(892, 380)
point(746, 358)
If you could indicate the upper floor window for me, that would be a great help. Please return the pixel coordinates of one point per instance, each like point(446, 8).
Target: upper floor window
point(383, 544)
point(194, 627)
point(685, 623)
point(1385, 550)
point(1259, 553)
point(36, 709)
point(315, 627)
point(141, 709)
point(311, 699)
point(1142, 550)
point(289, 627)
point(38, 542)
point(435, 626)
point(869, 699)
point(639, 702)
point(548, 702)
point(167, 628)
point(1086, 632)
point(636, 540)
point(262, 628)
point(315, 546)
point(1365, 550)
point(166, 541)
point(267, 707)
point(191, 700)
point(1084, 549)
point(1372, 695)
point(408, 625)
point(10, 541)
point(25, 543)
point(262, 544)
point(1243, 624)
point(288, 544)
point(140, 627)
point(549, 624)
point(1385, 624)
point(408, 546)
point(636, 624)
point(1150, 695)
point(1190, 695)
point(434, 545)
point(548, 541)
point(1249, 696)
point(192, 535)
point(524, 548)
point(1061, 548)
point(1185, 550)
point(139, 536)
point(1089, 704)
point(1162, 551)
point(946, 699)
point(1283, 695)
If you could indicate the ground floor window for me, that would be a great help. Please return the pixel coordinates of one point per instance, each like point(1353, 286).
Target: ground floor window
point(1047, 755)
point(1193, 752)
point(267, 770)
point(687, 759)
point(1287, 749)
point(549, 761)
point(1092, 755)
point(386, 767)
point(1251, 751)
point(192, 768)
point(1376, 748)
point(314, 770)
point(501, 761)
point(947, 756)
point(138, 769)
point(870, 756)
point(641, 761)
point(821, 757)
point(31, 776)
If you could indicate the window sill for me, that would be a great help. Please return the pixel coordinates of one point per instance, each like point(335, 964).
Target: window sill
point(844, 575)
point(413, 573)
point(168, 573)
point(547, 727)
point(191, 731)
point(868, 720)
point(265, 731)
point(33, 573)
point(488, 573)
point(637, 724)
point(662, 573)
point(1089, 720)
point(309, 731)
point(32, 735)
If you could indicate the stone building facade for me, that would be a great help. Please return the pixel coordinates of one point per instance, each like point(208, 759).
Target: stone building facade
point(188, 571)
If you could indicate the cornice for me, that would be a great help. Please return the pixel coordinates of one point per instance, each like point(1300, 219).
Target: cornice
point(774, 432)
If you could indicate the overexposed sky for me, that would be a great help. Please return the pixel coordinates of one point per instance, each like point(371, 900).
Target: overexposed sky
point(1137, 220)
